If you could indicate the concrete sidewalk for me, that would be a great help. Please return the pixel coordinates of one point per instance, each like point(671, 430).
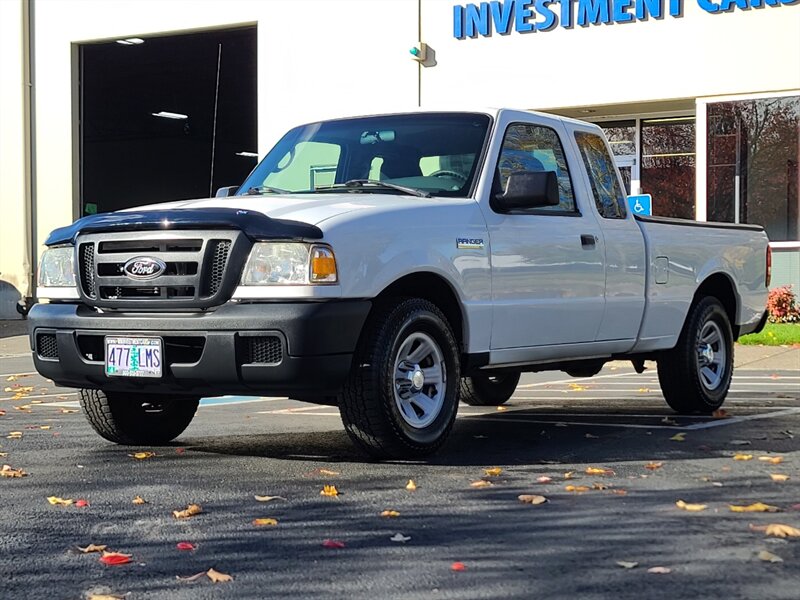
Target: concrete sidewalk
point(14, 342)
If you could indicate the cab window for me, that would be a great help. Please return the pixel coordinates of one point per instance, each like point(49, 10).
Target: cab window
point(607, 191)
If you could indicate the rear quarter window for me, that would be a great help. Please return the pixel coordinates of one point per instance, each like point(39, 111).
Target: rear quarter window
point(606, 189)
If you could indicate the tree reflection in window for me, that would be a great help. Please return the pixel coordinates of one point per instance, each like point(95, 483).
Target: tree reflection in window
point(608, 196)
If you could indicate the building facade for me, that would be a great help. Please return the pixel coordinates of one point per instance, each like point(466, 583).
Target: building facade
point(700, 98)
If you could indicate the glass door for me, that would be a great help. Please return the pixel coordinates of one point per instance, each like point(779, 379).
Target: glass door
point(623, 140)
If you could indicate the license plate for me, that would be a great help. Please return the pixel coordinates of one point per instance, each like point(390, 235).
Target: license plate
point(133, 357)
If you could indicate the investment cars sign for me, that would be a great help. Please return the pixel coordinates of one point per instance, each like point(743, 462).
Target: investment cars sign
point(526, 16)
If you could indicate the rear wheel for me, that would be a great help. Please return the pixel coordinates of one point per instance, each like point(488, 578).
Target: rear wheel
point(488, 390)
point(401, 398)
point(136, 419)
point(695, 376)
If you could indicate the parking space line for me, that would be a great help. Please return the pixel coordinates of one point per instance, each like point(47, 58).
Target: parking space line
point(734, 420)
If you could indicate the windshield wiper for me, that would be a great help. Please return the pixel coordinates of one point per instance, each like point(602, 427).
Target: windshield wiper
point(359, 183)
point(262, 189)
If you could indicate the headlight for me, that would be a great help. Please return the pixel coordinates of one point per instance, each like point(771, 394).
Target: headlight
point(57, 267)
point(286, 263)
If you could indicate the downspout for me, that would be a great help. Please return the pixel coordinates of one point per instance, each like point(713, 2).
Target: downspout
point(29, 126)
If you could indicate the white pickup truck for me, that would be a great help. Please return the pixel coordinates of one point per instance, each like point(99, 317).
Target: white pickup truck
point(392, 265)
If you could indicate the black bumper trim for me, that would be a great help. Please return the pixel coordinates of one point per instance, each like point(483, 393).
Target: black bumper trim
point(318, 339)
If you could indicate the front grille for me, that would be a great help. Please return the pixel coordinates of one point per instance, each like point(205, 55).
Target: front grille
point(46, 345)
point(197, 268)
point(262, 350)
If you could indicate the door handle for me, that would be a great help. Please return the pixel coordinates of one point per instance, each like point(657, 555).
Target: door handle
point(588, 240)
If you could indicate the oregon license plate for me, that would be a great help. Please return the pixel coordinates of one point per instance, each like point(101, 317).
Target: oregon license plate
point(134, 357)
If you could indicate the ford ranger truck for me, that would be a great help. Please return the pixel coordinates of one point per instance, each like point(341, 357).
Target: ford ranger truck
point(393, 265)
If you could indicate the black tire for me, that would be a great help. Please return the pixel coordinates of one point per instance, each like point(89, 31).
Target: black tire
point(488, 390)
point(687, 387)
point(368, 405)
point(137, 419)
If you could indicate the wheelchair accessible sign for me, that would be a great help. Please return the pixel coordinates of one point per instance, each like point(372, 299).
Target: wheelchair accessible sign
point(641, 204)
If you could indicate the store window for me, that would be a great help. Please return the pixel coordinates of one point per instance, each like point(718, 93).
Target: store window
point(621, 137)
point(668, 165)
point(753, 173)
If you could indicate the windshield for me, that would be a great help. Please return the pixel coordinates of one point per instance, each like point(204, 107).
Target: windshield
point(436, 153)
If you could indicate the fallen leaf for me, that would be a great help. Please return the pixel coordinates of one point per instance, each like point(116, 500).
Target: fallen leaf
point(93, 548)
point(501, 409)
point(652, 466)
point(678, 437)
point(778, 477)
point(106, 597)
point(569, 475)
point(189, 511)
point(81, 503)
point(67, 411)
point(14, 435)
point(334, 544)
point(577, 387)
point(659, 570)
point(544, 479)
point(55, 500)
point(45, 427)
point(115, 558)
point(268, 498)
point(627, 564)
point(620, 492)
point(329, 490)
point(756, 507)
point(720, 413)
point(139, 500)
point(218, 577)
point(690, 507)
point(23, 407)
point(668, 421)
point(481, 483)
point(2, 413)
point(264, 522)
point(411, 486)
point(390, 513)
point(599, 486)
point(328, 473)
point(458, 566)
point(773, 460)
point(599, 471)
point(743, 457)
point(577, 488)
point(142, 455)
point(399, 537)
point(589, 436)
point(777, 529)
point(493, 472)
point(531, 499)
point(185, 546)
point(7, 471)
point(769, 557)
point(644, 390)
point(190, 578)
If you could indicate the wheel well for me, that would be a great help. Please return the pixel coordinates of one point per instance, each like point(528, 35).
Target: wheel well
point(434, 288)
point(720, 287)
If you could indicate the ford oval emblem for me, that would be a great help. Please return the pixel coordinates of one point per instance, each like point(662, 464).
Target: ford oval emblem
point(144, 267)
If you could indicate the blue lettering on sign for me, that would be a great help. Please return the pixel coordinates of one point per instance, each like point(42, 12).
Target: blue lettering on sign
point(525, 16)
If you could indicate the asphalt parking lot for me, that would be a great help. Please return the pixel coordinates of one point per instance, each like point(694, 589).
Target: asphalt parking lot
point(606, 453)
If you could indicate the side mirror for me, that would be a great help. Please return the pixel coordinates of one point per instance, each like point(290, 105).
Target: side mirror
point(528, 189)
point(224, 192)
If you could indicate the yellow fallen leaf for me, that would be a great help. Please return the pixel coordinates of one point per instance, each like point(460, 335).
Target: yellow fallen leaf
point(390, 513)
point(644, 390)
point(778, 477)
point(268, 498)
point(328, 473)
point(14, 435)
point(502, 408)
point(743, 457)
point(7, 471)
point(218, 577)
point(44, 427)
point(481, 483)
point(690, 507)
point(755, 507)
point(678, 437)
point(773, 460)
point(105, 597)
point(598, 471)
point(68, 411)
point(264, 522)
point(531, 499)
point(142, 455)
point(55, 500)
point(493, 472)
point(569, 475)
point(577, 488)
point(781, 530)
point(93, 548)
point(329, 490)
point(576, 387)
point(599, 486)
point(769, 557)
point(411, 486)
point(139, 500)
point(652, 466)
point(189, 511)
point(23, 407)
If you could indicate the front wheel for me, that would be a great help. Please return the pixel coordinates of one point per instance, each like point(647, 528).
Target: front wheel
point(401, 398)
point(695, 376)
point(137, 419)
point(488, 390)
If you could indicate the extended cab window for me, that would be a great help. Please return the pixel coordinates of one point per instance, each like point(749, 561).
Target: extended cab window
point(535, 148)
point(608, 195)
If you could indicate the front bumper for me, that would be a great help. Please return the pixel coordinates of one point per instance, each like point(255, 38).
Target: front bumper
point(311, 346)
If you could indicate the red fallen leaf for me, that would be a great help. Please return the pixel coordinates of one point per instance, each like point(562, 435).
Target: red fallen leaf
point(458, 566)
point(180, 450)
point(81, 503)
point(335, 544)
point(185, 546)
point(115, 558)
